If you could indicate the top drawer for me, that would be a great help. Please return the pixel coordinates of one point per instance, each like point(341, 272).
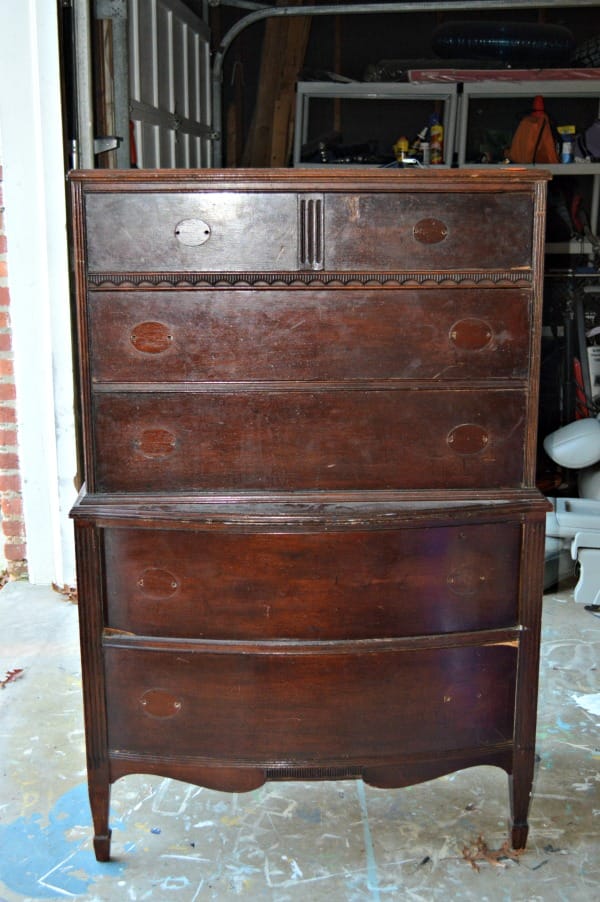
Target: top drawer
point(195, 232)
point(230, 231)
point(424, 231)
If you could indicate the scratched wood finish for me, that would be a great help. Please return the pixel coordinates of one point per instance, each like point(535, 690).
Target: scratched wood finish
point(462, 233)
point(248, 336)
point(309, 542)
point(365, 231)
point(302, 440)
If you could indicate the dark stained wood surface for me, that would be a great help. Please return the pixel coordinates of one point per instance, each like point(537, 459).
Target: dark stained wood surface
point(363, 232)
point(309, 544)
point(352, 585)
point(301, 440)
point(224, 335)
point(360, 705)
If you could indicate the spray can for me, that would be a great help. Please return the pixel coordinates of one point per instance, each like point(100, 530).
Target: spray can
point(436, 140)
point(566, 149)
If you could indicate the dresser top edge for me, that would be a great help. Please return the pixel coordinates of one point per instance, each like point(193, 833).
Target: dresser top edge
point(271, 180)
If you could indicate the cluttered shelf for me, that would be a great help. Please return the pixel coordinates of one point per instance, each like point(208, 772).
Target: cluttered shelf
point(479, 118)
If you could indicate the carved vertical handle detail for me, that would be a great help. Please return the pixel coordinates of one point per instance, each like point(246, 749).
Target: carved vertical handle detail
point(310, 231)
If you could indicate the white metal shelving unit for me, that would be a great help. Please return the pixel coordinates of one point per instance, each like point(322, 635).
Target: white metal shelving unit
point(504, 90)
point(375, 91)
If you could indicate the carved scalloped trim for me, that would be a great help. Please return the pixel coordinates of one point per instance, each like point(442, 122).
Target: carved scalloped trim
point(128, 280)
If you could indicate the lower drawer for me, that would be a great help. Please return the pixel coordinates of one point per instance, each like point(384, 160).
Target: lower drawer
point(309, 440)
point(402, 582)
point(306, 706)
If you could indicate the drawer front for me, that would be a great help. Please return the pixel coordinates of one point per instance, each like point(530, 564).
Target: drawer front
point(357, 585)
point(195, 232)
point(425, 231)
point(294, 708)
point(286, 231)
point(308, 335)
point(291, 440)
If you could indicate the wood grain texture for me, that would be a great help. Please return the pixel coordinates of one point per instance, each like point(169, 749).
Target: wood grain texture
point(309, 542)
point(299, 440)
point(363, 231)
point(223, 335)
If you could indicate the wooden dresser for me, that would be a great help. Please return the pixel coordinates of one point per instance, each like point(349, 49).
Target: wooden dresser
point(309, 542)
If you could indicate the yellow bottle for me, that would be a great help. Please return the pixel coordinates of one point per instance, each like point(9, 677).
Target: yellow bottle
point(436, 140)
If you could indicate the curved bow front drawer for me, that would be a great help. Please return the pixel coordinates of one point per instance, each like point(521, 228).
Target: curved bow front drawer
point(287, 231)
point(354, 585)
point(301, 707)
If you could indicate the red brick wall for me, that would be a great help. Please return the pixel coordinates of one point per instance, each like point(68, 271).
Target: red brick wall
point(12, 533)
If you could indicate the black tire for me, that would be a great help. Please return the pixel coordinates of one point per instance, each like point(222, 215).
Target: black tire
point(587, 55)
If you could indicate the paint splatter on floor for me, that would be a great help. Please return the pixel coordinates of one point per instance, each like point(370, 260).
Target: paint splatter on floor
point(46, 856)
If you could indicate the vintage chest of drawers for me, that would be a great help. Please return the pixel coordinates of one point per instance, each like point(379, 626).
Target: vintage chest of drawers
point(309, 542)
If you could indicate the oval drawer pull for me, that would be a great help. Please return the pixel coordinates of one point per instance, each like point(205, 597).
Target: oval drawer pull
point(468, 438)
point(465, 581)
point(151, 338)
point(192, 232)
point(157, 583)
point(160, 703)
point(430, 231)
point(155, 443)
point(471, 334)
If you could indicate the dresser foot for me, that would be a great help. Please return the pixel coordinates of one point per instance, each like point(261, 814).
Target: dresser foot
point(519, 835)
point(520, 784)
point(102, 846)
point(99, 790)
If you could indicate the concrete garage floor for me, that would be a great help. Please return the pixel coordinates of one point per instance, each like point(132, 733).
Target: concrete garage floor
point(288, 841)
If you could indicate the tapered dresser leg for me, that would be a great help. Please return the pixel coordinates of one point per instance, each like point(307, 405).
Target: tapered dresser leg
point(520, 785)
point(91, 624)
point(531, 592)
point(100, 803)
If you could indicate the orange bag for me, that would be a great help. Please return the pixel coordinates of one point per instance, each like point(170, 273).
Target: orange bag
point(534, 141)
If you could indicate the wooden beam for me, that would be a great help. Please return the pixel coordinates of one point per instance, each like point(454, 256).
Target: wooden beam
point(284, 47)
